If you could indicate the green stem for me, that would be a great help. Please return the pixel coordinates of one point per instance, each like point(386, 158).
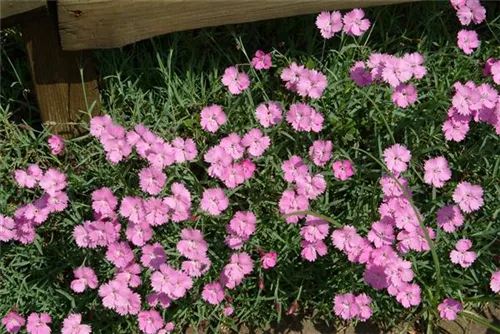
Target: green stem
point(420, 222)
point(315, 214)
point(381, 114)
point(479, 320)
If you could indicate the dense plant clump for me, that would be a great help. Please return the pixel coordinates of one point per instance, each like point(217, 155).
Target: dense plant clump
point(326, 176)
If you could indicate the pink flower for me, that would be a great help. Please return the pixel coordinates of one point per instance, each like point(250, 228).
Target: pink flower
point(53, 181)
point(13, 322)
point(376, 277)
point(240, 264)
point(213, 293)
point(342, 169)
point(376, 62)
point(355, 23)
point(212, 117)
point(153, 256)
point(449, 218)
point(320, 152)
point(409, 295)
point(192, 244)
point(235, 81)
point(37, 323)
point(454, 129)
point(139, 233)
point(268, 260)
point(461, 255)
point(72, 324)
point(381, 233)
point(243, 224)
point(28, 178)
point(396, 71)
point(185, 149)
point(311, 83)
point(98, 125)
point(468, 196)
point(415, 61)
point(466, 100)
point(120, 254)
point(293, 167)
point(261, 60)
point(291, 202)
point(345, 306)
point(291, 76)
point(228, 310)
point(103, 201)
point(155, 212)
point(345, 238)
point(269, 114)
point(329, 23)
point(153, 299)
point(248, 168)
point(150, 322)
point(437, 171)
point(152, 180)
point(494, 282)
point(311, 250)
point(314, 229)
point(304, 118)
point(196, 267)
point(84, 276)
point(56, 144)
point(173, 283)
point(132, 208)
point(471, 11)
point(232, 145)
point(398, 272)
point(364, 309)
point(404, 95)
point(449, 308)
point(311, 186)
point(218, 159)
point(396, 158)
point(391, 188)
point(467, 41)
point(255, 142)
point(233, 175)
point(214, 201)
point(159, 155)
point(130, 275)
point(495, 72)
point(7, 226)
point(359, 75)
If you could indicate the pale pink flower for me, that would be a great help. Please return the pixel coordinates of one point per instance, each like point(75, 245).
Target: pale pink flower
point(269, 114)
point(268, 260)
point(311, 250)
point(139, 233)
point(291, 76)
point(235, 81)
point(342, 169)
point(329, 23)
point(320, 152)
point(291, 202)
point(449, 308)
point(243, 224)
point(152, 180)
point(72, 324)
point(56, 144)
point(364, 309)
point(192, 245)
point(120, 254)
point(160, 155)
point(355, 23)
point(53, 181)
point(150, 322)
point(156, 212)
point(218, 159)
point(461, 254)
point(415, 61)
point(233, 175)
point(437, 171)
point(233, 146)
point(311, 83)
point(311, 186)
point(153, 256)
point(84, 276)
point(240, 264)
point(23, 179)
point(293, 167)
point(214, 201)
point(38, 323)
point(399, 272)
point(173, 283)
point(262, 60)
point(360, 75)
point(228, 310)
point(391, 188)
point(381, 233)
point(396, 71)
point(7, 226)
point(495, 282)
point(98, 125)
point(396, 158)
point(213, 293)
point(303, 117)
point(467, 41)
point(469, 197)
point(130, 275)
point(449, 218)
point(103, 201)
point(345, 306)
point(345, 238)
point(13, 322)
point(404, 95)
point(314, 229)
point(376, 62)
point(212, 117)
point(185, 149)
point(255, 142)
point(409, 295)
point(454, 129)
point(196, 267)
point(495, 72)
point(132, 208)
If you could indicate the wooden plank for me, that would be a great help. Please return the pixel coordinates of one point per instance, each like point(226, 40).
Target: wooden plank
point(92, 24)
point(15, 12)
point(56, 77)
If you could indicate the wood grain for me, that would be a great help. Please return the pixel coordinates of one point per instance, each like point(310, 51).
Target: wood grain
point(93, 24)
point(56, 77)
point(15, 7)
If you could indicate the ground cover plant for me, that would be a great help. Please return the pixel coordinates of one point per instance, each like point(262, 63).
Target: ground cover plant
point(343, 168)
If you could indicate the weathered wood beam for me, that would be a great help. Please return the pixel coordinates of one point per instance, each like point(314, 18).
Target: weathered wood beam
point(94, 24)
point(15, 7)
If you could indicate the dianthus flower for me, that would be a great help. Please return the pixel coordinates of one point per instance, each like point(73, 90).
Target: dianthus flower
point(130, 275)
point(342, 169)
point(269, 114)
point(311, 250)
point(240, 264)
point(56, 144)
point(235, 81)
point(291, 76)
point(304, 118)
point(218, 159)
point(455, 129)
point(268, 260)
point(28, 178)
point(415, 60)
point(409, 295)
point(255, 142)
point(13, 322)
point(120, 254)
point(320, 152)
point(396, 71)
point(293, 167)
point(437, 171)
point(212, 117)
point(381, 233)
point(461, 254)
point(197, 266)
point(345, 306)
point(139, 233)
point(156, 212)
point(396, 158)
point(214, 201)
point(449, 218)
point(185, 149)
point(161, 155)
point(53, 181)
point(72, 324)
point(404, 95)
point(360, 75)
point(7, 228)
point(152, 180)
point(103, 201)
point(233, 146)
point(311, 186)
point(311, 83)
point(376, 277)
point(192, 244)
point(150, 322)
point(262, 60)
point(314, 229)
point(449, 308)
point(37, 323)
point(467, 41)
point(469, 197)
point(495, 281)
point(363, 302)
point(355, 22)
point(329, 23)
point(173, 283)
point(470, 11)
point(153, 256)
point(84, 276)
point(243, 224)
point(213, 293)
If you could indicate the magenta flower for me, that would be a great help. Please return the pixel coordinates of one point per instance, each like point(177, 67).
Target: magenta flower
point(84, 276)
point(269, 114)
point(152, 180)
point(320, 152)
point(360, 75)
point(255, 142)
point(329, 23)
point(467, 41)
point(469, 197)
point(342, 169)
point(235, 81)
point(192, 244)
point(153, 299)
point(150, 322)
point(495, 281)
point(212, 117)
point(345, 306)
point(354, 22)
point(375, 276)
point(13, 322)
point(396, 158)
point(449, 218)
point(437, 171)
point(72, 324)
point(37, 323)
point(56, 144)
point(214, 201)
point(120, 254)
point(449, 308)
point(461, 255)
point(213, 293)
point(262, 60)
point(404, 95)
point(153, 256)
point(233, 146)
point(269, 260)
point(409, 295)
